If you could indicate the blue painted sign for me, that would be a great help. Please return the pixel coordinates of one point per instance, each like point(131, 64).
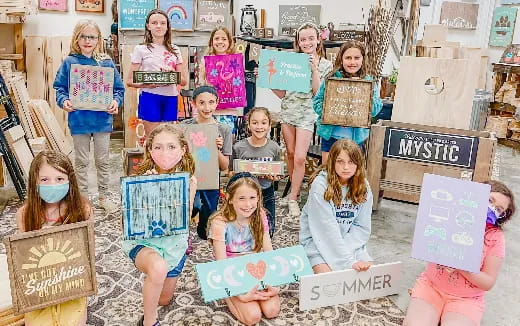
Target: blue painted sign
point(234, 276)
point(132, 13)
point(180, 13)
point(502, 26)
point(284, 70)
point(451, 221)
point(155, 205)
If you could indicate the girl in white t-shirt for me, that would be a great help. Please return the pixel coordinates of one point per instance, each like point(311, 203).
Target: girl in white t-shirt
point(157, 102)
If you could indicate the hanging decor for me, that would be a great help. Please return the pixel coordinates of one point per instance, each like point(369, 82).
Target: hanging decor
point(381, 28)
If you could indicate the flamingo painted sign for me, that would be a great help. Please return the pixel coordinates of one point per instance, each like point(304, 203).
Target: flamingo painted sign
point(284, 70)
point(226, 74)
point(234, 276)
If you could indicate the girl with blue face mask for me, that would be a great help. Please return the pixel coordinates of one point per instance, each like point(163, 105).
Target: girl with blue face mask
point(53, 198)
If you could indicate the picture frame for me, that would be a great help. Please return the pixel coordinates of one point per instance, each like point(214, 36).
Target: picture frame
point(93, 6)
point(53, 5)
point(180, 12)
point(212, 13)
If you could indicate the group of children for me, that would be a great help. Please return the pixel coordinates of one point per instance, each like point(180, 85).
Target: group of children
point(335, 222)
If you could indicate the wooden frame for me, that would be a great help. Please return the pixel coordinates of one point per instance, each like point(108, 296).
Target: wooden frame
point(157, 77)
point(56, 254)
point(177, 9)
point(96, 6)
point(206, 19)
point(385, 174)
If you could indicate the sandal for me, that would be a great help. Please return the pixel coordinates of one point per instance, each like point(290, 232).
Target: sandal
point(141, 322)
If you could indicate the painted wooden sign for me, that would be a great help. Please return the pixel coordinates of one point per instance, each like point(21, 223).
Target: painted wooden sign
point(234, 276)
point(226, 74)
point(155, 205)
point(52, 5)
point(339, 287)
point(284, 70)
point(347, 35)
point(450, 224)
point(431, 147)
point(97, 6)
point(180, 13)
point(293, 16)
point(347, 102)
point(259, 167)
point(132, 13)
point(212, 13)
point(132, 158)
point(91, 87)
point(201, 139)
point(51, 266)
point(502, 26)
point(459, 15)
point(157, 77)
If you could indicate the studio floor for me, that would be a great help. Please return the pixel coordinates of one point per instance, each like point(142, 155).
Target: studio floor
point(119, 299)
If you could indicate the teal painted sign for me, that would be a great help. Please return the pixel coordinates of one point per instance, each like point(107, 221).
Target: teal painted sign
point(132, 13)
point(284, 70)
point(234, 276)
point(502, 26)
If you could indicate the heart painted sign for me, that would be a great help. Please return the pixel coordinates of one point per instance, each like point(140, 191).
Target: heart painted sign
point(234, 276)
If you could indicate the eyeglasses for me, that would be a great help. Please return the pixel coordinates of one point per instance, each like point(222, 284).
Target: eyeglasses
point(89, 37)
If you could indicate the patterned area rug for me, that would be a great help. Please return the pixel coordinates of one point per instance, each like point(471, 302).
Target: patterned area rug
point(119, 298)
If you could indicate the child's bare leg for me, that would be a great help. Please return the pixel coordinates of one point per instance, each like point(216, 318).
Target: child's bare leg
point(248, 313)
point(321, 268)
point(151, 263)
point(455, 319)
point(271, 307)
point(168, 291)
point(421, 313)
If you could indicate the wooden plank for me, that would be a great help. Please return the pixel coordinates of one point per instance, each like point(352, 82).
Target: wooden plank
point(446, 101)
point(485, 159)
point(18, 46)
point(21, 96)
point(419, 127)
point(7, 39)
point(52, 130)
point(185, 53)
point(131, 95)
point(22, 152)
point(35, 65)
point(374, 160)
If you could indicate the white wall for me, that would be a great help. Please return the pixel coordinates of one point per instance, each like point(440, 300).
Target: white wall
point(55, 23)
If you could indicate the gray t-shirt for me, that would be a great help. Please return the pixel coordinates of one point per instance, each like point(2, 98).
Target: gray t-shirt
point(269, 152)
point(224, 132)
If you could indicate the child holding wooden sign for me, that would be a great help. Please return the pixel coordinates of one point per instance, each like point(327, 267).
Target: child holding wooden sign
point(157, 102)
point(238, 228)
point(259, 147)
point(335, 224)
point(162, 259)
point(349, 64)
point(86, 49)
point(456, 297)
point(53, 198)
point(205, 99)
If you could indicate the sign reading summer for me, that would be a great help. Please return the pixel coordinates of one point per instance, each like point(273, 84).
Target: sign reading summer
point(259, 167)
point(91, 87)
point(234, 276)
point(450, 224)
point(51, 266)
point(347, 102)
point(157, 77)
point(132, 13)
point(454, 150)
point(226, 74)
point(334, 288)
point(201, 139)
point(284, 70)
point(155, 205)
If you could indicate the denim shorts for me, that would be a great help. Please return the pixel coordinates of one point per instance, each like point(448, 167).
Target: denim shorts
point(173, 273)
point(157, 108)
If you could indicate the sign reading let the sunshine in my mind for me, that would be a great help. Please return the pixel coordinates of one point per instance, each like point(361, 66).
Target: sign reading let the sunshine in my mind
point(51, 266)
point(91, 87)
point(284, 70)
point(235, 276)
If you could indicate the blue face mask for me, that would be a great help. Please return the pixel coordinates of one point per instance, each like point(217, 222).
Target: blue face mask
point(492, 215)
point(53, 193)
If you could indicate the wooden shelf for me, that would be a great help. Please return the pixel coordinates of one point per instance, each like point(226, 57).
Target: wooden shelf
point(11, 56)
point(502, 107)
point(506, 68)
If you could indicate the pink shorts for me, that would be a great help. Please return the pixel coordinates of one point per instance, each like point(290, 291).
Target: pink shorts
point(473, 307)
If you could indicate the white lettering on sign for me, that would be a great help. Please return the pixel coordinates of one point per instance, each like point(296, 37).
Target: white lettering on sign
point(64, 274)
point(328, 289)
point(427, 150)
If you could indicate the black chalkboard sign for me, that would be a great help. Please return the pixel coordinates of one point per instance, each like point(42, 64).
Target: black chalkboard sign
point(157, 77)
point(293, 16)
point(445, 149)
point(347, 35)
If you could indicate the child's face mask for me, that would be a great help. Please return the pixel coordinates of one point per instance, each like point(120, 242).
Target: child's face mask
point(493, 215)
point(166, 159)
point(53, 193)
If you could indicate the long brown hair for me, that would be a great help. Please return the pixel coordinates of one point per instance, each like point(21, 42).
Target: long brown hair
point(34, 211)
point(357, 189)
point(230, 49)
point(228, 212)
point(186, 164)
point(99, 50)
point(320, 49)
point(497, 186)
point(167, 42)
point(338, 64)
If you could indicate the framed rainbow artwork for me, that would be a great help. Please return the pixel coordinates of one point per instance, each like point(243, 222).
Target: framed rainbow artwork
point(180, 13)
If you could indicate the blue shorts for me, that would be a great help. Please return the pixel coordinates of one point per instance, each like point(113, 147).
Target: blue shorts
point(157, 108)
point(173, 273)
point(327, 144)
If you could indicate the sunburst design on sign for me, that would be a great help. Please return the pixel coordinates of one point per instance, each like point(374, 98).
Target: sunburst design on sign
point(51, 254)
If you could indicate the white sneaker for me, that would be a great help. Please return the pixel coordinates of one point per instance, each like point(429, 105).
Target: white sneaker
point(284, 201)
point(107, 205)
point(294, 208)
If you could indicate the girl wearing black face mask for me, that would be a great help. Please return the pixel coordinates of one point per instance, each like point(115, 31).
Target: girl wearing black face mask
point(454, 296)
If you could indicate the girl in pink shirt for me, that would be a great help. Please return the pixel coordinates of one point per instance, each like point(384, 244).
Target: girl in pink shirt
point(456, 297)
point(157, 102)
